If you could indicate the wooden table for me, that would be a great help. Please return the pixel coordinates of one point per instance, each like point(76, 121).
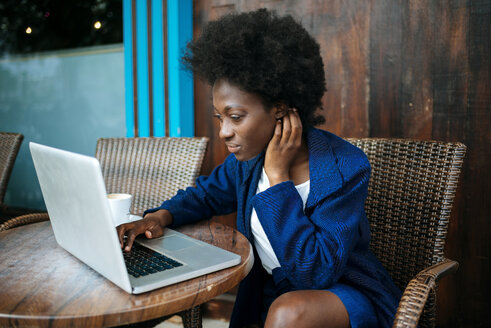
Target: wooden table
point(43, 285)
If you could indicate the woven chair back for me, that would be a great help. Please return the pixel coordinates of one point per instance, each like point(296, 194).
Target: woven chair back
point(150, 169)
point(410, 195)
point(9, 147)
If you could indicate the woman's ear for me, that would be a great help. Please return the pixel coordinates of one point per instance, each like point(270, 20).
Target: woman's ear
point(280, 111)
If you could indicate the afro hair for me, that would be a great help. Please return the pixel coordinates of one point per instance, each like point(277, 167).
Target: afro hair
point(262, 53)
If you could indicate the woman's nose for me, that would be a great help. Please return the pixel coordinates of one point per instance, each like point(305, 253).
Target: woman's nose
point(226, 130)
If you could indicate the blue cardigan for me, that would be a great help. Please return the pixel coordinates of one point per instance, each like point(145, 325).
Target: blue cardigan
point(317, 247)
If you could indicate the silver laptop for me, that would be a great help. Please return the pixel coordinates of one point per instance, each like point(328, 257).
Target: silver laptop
point(75, 196)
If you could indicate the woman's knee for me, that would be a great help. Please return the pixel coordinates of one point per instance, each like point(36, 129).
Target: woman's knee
point(288, 310)
point(307, 308)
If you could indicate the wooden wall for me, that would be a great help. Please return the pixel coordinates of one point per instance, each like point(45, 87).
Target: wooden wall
point(403, 68)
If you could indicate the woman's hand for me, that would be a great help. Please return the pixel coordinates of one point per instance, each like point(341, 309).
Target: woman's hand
point(283, 147)
point(152, 225)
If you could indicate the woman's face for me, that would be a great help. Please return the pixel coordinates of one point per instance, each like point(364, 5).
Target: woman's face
point(246, 126)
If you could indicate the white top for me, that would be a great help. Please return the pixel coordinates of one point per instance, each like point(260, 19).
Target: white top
point(261, 241)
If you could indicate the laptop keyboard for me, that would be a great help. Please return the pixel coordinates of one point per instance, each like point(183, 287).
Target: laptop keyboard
point(142, 261)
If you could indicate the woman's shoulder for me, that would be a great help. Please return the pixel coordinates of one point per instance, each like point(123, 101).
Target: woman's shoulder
point(341, 149)
point(336, 157)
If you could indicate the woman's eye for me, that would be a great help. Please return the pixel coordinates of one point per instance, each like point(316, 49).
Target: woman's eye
point(233, 117)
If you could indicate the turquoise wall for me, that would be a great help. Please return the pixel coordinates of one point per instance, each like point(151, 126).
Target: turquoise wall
point(65, 99)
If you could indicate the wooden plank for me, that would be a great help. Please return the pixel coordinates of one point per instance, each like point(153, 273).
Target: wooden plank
point(475, 281)
point(416, 105)
point(342, 30)
point(450, 93)
point(203, 111)
point(450, 71)
point(385, 68)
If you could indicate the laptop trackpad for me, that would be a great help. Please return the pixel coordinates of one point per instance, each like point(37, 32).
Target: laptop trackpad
point(175, 243)
point(170, 243)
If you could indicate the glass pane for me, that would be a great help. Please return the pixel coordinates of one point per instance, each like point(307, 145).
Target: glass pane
point(61, 81)
point(39, 25)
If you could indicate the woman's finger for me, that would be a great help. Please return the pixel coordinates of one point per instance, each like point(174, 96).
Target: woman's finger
point(277, 132)
point(129, 241)
point(295, 118)
point(296, 125)
point(154, 231)
point(132, 230)
point(121, 230)
point(286, 129)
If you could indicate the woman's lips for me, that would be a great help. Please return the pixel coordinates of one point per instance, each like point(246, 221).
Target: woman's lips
point(233, 148)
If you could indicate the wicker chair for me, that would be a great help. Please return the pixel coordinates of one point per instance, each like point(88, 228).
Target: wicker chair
point(150, 169)
point(9, 148)
point(409, 201)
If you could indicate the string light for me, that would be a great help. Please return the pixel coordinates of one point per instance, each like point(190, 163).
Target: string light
point(97, 25)
point(28, 30)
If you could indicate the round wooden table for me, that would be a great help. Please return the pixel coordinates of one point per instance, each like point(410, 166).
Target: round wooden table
point(43, 285)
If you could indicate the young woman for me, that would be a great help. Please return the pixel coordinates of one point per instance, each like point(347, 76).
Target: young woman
point(299, 192)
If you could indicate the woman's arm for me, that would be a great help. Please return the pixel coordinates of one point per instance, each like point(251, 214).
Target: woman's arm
point(213, 195)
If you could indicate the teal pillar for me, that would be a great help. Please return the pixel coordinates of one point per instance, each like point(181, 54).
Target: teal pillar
point(181, 95)
point(158, 92)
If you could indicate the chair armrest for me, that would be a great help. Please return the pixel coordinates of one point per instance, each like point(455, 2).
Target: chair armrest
point(417, 291)
point(23, 219)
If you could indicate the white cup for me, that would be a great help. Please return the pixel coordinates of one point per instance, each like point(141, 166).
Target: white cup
point(120, 207)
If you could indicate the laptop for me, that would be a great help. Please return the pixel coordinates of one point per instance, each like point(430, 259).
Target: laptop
point(75, 196)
